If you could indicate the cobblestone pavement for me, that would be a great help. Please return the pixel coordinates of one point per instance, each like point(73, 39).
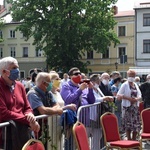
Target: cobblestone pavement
point(145, 145)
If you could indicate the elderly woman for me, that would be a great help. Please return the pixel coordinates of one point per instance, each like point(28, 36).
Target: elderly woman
point(71, 114)
point(130, 94)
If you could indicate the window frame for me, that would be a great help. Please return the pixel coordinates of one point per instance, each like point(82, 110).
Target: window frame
point(146, 19)
point(146, 46)
point(12, 34)
point(1, 34)
point(119, 48)
point(106, 54)
point(1, 52)
point(90, 54)
point(13, 51)
point(121, 30)
point(25, 51)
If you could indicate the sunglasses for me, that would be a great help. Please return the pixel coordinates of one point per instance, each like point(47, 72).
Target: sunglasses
point(77, 73)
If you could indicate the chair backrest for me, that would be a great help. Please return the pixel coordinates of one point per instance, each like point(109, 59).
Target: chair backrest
point(141, 106)
point(145, 116)
point(110, 127)
point(80, 136)
point(33, 144)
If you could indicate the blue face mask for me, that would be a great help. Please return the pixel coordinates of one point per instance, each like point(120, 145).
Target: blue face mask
point(49, 87)
point(14, 74)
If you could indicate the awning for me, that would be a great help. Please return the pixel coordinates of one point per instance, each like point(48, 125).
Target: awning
point(141, 70)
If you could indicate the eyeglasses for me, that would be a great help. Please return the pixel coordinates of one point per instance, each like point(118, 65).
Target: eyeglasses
point(77, 73)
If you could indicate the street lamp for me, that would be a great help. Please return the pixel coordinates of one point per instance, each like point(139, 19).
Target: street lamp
point(116, 65)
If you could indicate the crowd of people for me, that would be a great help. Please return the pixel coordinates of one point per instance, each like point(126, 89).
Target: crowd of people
point(47, 93)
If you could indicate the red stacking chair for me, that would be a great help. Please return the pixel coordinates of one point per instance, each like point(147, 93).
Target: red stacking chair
point(141, 106)
point(145, 117)
point(80, 136)
point(112, 138)
point(33, 144)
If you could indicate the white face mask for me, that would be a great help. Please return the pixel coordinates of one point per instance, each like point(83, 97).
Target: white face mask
point(96, 85)
point(131, 79)
point(105, 82)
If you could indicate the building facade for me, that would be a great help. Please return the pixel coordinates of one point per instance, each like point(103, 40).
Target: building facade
point(15, 45)
point(118, 58)
point(142, 38)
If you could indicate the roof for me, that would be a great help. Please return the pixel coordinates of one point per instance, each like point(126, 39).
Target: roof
point(125, 13)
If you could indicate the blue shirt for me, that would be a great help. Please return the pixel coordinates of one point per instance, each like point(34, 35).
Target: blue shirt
point(39, 98)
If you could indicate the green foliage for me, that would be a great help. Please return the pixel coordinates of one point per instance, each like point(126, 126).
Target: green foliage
point(45, 136)
point(65, 29)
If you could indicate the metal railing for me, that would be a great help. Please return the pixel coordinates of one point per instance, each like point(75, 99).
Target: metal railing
point(57, 134)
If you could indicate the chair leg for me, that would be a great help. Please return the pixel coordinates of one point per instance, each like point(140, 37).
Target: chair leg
point(140, 144)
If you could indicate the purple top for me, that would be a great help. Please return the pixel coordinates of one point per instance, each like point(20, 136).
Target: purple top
point(72, 94)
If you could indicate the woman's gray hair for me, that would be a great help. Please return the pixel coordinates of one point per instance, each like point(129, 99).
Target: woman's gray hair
point(42, 76)
point(6, 62)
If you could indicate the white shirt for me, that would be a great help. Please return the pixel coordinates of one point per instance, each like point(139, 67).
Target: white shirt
point(126, 91)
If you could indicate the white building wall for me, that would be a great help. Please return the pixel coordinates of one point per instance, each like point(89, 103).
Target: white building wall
point(142, 33)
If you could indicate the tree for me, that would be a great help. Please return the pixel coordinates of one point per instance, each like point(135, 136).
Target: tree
point(66, 29)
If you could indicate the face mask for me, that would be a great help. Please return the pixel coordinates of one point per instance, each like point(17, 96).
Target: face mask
point(131, 79)
point(105, 82)
point(138, 83)
point(49, 87)
point(119, 85)
point(76, 79)
point(96, 85)
point(56, 83)
point(14, 74)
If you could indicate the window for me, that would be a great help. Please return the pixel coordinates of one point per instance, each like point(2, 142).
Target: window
point(90, 55)
point(146, 19)
point(38, 53)
point(106, 54)
point(12, 51)
point(12, 34)
point(122, 51)
point(25, 51)
point(1, 52)
point(146, 46)
point(1, 34)
point(22, 74)
point(121, 31)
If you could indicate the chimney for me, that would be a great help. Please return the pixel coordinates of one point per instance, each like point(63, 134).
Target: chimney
point(115, 9)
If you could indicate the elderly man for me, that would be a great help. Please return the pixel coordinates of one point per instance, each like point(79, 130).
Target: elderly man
point(104, 85)
point(41, 98)
point(13, 102)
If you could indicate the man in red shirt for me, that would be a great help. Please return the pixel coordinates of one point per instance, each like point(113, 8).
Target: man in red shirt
point(13, 102)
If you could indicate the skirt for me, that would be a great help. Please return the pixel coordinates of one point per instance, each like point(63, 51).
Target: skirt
point(131, 119)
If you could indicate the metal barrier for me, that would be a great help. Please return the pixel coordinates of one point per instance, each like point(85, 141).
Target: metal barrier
point(56, 137)
point(89, 115)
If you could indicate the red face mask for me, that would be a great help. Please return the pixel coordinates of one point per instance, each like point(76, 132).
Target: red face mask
point(76, 79)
